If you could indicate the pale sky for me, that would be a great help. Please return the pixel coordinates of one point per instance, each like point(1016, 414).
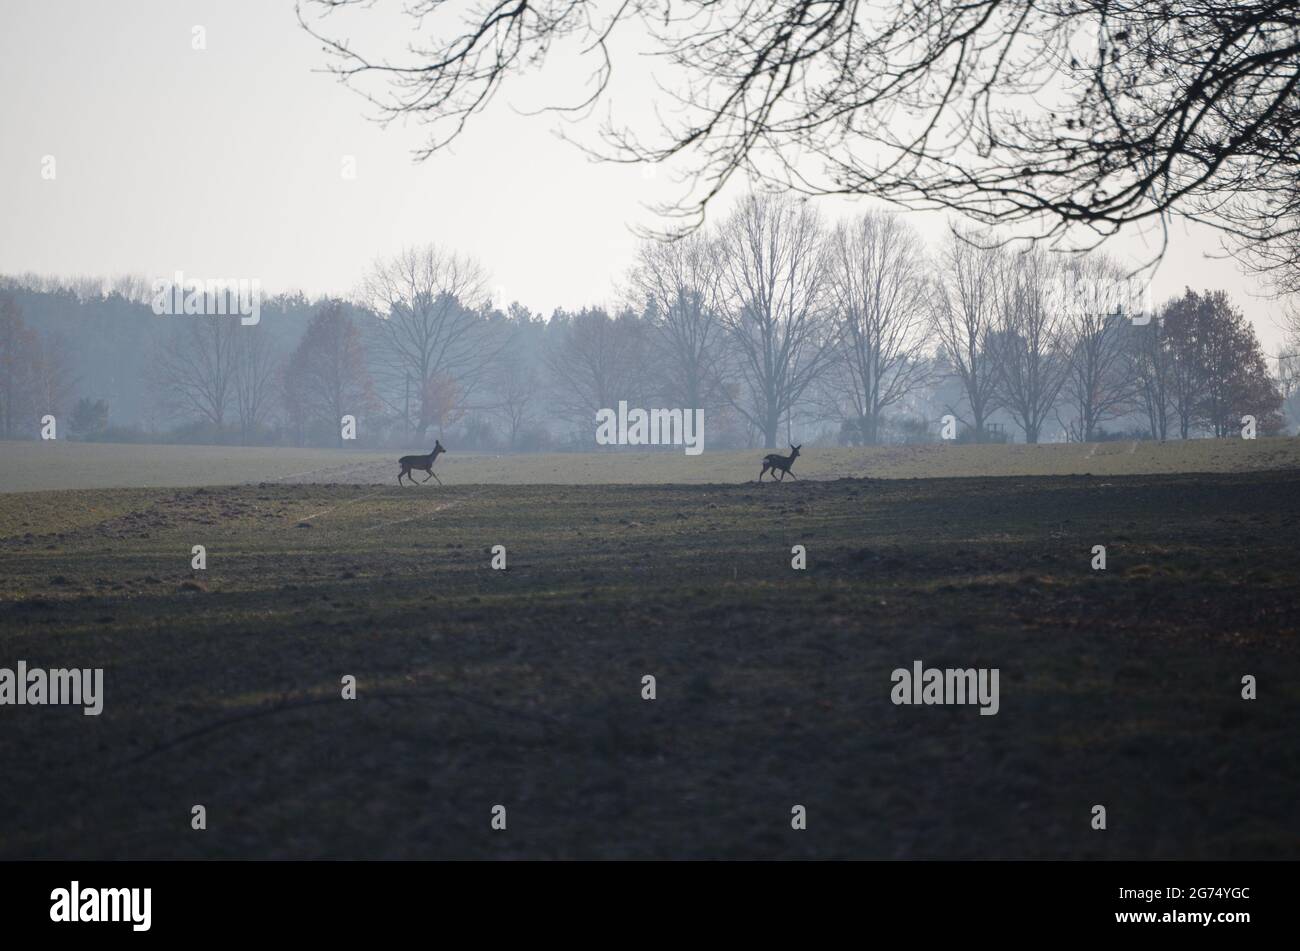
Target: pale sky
point(226, 162)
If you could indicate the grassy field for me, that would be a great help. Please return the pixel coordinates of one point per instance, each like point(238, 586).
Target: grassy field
point(523, 687)
point(32, 466)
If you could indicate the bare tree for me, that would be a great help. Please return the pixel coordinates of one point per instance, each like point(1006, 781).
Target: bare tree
point(1152, 368)
point(1031, 358)
point(965, 323)
point(17, 370)
point(255, 372)
point(1288, 387)
point(428, 329)
point(194, 368)
point(1099, 386)
point(1291, 326)
point(594, 361)
point(881, 295)
point(516, 387)
point(1181, 327)
point(135, 288)
point(53, 380)
point(1288, 365)
point(773, 269)
point(36, 375)
point(1089, 113)
point(680, 282)
point(326, 376)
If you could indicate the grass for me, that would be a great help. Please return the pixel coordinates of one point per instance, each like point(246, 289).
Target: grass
point(523, 686)
point(32, 466)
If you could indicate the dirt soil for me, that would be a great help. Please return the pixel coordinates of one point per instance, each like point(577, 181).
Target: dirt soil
point(523, 687)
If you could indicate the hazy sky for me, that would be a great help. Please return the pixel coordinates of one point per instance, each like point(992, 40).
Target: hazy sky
point(226, 162)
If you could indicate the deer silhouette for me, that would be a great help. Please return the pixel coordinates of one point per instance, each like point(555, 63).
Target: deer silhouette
point(777, 462)
point(423, 463)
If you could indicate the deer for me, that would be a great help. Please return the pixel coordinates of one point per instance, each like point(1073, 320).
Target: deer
point(775, 461)
point(423, 463)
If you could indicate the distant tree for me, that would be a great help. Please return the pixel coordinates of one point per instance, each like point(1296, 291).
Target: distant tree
point(882, 297)
point(134, 288)
point(18, 416)
point(1099, 384)
point(1032, 359)
point(1235, 371)
point(89, 418)
point(774, 306)
point(1181, 326)
point(965, 324)
point(36, 373)
point(55, 379)
point(678, 282)
point(193, 370)
point(443, 403)
point(1291, 325)
point(1259, 396)
point(594, 361)
point(515, 388)
point(255, 370)
point(326, 376)
point(428, 327)
point(1219, 370)
point(1151, 361)
point(1288, 377)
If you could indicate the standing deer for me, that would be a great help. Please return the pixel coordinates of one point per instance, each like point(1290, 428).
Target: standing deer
point(423, 463)
point(776, 461)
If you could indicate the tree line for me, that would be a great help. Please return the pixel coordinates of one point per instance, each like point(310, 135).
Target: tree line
point(775, 322)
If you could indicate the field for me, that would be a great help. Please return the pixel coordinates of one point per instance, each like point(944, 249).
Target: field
point(32, 466)
point(523, 686)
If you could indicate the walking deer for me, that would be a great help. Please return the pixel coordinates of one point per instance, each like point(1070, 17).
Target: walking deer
point(776, 461)
point(423, 463)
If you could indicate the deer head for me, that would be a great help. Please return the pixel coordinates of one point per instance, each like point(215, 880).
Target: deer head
point(437, 448)
point(794, 451)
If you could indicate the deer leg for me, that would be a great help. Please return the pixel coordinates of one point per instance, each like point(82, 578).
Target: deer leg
point(435, 476)
point(792, 475)
point(426, 478)
point(399, 476)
